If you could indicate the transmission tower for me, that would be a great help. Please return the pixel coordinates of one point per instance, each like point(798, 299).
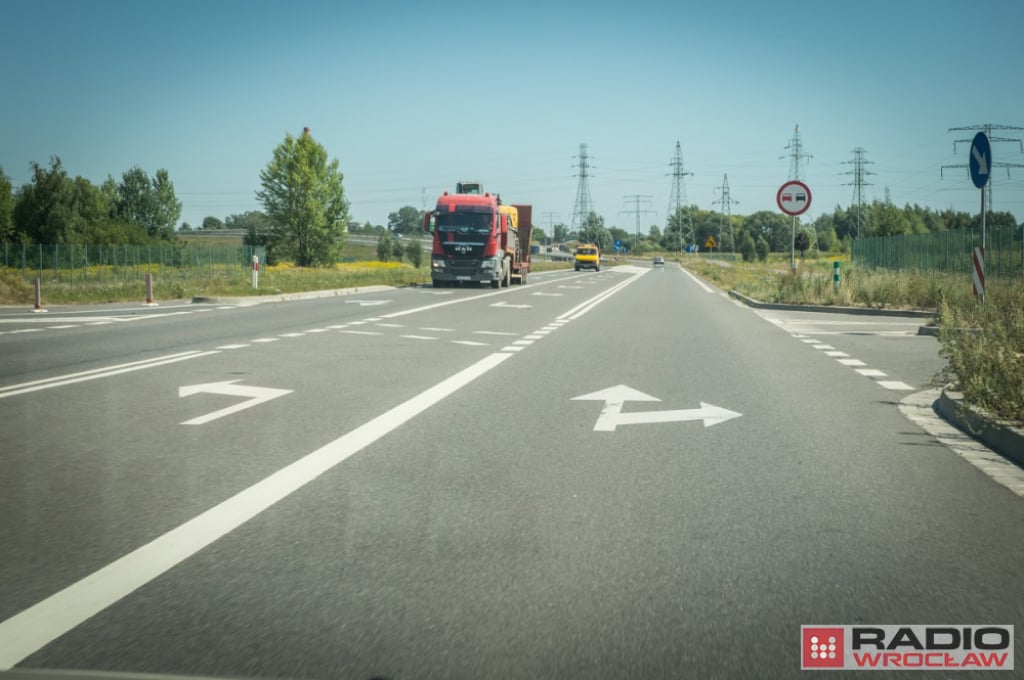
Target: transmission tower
point(677, 200)
point(584, 206)
point(636, 199)
point(726, 202)
point(987, 128)
point(796, 155)
point(858, 183)
point(549, 220)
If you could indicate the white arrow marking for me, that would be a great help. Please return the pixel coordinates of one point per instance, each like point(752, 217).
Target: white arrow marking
point(505, 304)
point(367, 303)
point(257, 395)
point(614, 397)
point(980, 157)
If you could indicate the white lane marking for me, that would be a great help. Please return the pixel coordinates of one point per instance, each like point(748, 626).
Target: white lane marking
point(255, 395)
point(511, 348)
point(436, 330)
point(25, 330)
point(541, 333)
point(533, 336)
point(30, 630)
point(200, 311)
point(895, 385)
point(338, 327)
point(375, 318)
point(391, 325)
point(918, 409)
point(96, 373)
point(59, 328)
point(871, 372)
point(837, 353)
point(266, 339)
point(233, 346)
point(362, 332)
point(523, 342)
point(810, 341)
point(357, 323)
point(584, 307)
point(492, 333)
point(226, 307)
point(470, 343)
point(823, 347)
point(317, 330)
point(851, 362)
point(418, 337)
point(99, 323)
point(549, 294)
point(291, 335)
point(706, 287)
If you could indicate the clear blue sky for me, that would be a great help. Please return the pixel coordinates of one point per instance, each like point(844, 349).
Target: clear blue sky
point(411, 97)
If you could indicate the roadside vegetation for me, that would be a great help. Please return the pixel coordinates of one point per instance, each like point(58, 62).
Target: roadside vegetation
point(982, 343)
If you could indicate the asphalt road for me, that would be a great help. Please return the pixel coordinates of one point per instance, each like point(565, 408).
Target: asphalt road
point(418, 490)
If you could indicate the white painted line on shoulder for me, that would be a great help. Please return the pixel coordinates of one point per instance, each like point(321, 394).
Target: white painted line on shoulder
point(30, 630)
point(895, 385)
point(357, 323)
point(233, 346)
point(60, 328)
point(226, 307)
point(871, 372)
point(25, 330)
point(706, 287)
point(851, 362)
point(265, 340)
point(96, 373)
point(99, 323)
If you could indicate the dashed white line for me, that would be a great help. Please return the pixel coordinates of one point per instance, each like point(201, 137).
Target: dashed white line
point(338, 327)
point(291, 335)
point(391, 325)
point(99, 323)
point(523, 342)
point(419, 337)
point(437, 330)
point(871, 372)
point(59, 328)
point(836, 353)
point(823, 347)
point(533, 336)
point(470, 343)
point(266, 340)
point(895, 385)
point(512, 349)
point(317, 330)
point(362, 332)
point(233, 346)
point(851, 362)
point(492, 333)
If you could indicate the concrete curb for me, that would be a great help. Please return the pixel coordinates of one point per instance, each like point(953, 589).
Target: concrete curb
point(757, 304)
point(1001, 437)
point(286, 297)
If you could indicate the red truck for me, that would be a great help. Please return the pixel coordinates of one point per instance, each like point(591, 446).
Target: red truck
point(478, 239)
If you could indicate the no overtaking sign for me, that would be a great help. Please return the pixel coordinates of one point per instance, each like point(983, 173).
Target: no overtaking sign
point(794, 198)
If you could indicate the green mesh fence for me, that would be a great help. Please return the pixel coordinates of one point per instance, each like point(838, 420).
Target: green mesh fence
point(945, 251)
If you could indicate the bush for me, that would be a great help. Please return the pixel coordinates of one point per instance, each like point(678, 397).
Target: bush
point(414, 252)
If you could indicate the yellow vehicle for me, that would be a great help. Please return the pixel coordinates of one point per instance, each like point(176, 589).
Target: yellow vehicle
point(588, 256)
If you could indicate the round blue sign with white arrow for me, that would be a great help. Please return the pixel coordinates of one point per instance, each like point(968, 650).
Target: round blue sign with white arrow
point(981, 160)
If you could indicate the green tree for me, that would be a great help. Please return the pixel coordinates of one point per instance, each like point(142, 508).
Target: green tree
point(560, 233)
point(747, 248)
point(593, 231)
point(304, 197)
point(149, 203)
point(385, 246)
point(408, 220)
point(802, 242)
point(414, 252)
point(211, 223)
point(6, 208)
point(762, 249)
point(185, 226)
point(251, 219)
point(539, 236)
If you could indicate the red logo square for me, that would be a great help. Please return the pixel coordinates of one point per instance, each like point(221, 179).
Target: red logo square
point(822, 647)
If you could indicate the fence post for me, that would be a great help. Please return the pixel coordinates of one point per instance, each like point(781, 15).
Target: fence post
point(149, 290)
point(39, 296)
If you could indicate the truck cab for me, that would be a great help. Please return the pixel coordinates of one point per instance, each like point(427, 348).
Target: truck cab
point(587, 256)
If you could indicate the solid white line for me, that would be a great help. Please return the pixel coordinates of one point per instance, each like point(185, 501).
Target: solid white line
point(317, 330)
point(29, 631)
point(707, 289)
point(95, 374)
point(492, 333)
point(584, 307)
point(60, 328)
point(99, 323)
point(291, 335)
point(266, 339)
point(25, 330)
point(232, 346)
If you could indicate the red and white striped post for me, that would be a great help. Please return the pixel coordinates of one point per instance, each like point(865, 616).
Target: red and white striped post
point(255, 271)
point(979, 273)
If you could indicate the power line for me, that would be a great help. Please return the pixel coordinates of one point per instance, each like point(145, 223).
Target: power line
point(797, 155)
point(636, 198)
point(677, 199)
point(584, 206)
point(727, 202)
point(987, 128)
point(858, 183)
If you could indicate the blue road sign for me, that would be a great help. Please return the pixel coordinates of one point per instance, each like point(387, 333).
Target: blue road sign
point(981, 160)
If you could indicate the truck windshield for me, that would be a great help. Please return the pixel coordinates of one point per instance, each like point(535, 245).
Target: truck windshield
point(465, 222)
